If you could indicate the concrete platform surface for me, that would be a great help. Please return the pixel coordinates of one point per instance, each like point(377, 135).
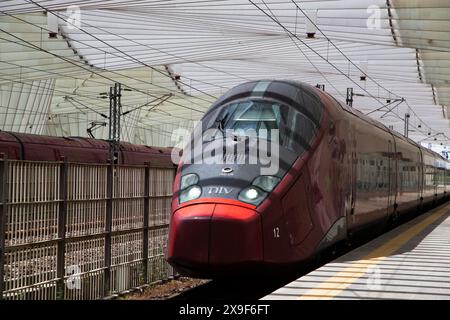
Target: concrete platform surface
point(409, 262)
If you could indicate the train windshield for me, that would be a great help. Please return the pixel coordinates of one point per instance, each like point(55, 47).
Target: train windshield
point(261, 117)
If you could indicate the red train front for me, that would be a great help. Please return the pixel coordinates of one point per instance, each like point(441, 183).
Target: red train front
point(278, 171)
point(243, 190)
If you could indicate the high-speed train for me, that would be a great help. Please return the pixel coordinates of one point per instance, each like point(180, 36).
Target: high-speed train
point(340, 173)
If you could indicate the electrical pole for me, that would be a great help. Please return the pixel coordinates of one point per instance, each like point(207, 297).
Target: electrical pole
point(349, 99)
point(115, 111)
point(406, 124)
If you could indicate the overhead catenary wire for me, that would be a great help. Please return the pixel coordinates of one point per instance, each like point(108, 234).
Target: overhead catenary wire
point(340, 51)
point(181, 13)
point(348, 59)
point(179, 8)
point(314, 51)
point(96, 72)
point(82, 109)
point(96, 48)
point(52, 116)
point(322, 57)
point(75, 40)
point(306, 57)
point(121, 51)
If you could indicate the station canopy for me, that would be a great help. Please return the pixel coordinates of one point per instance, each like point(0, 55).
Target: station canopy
point(58, 60)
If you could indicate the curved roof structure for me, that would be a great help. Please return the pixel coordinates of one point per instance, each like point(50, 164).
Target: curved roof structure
point(176, 57)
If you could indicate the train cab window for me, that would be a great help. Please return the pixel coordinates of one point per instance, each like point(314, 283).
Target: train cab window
point(253, 115)
point(296, 130)
point(259, 116)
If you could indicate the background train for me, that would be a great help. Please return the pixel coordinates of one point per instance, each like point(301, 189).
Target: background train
point(341, 173)
point(21, 146)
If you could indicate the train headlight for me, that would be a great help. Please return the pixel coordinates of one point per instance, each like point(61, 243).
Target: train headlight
point(266, 183)
point(252, 195)
point(188, 180)
point(259, 189)
point(191, 193)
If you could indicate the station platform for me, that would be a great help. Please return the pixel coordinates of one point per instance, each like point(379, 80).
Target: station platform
point(411, 261)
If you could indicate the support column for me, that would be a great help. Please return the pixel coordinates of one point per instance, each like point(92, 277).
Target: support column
point(108, 229)
point(146, 222)
point(60, 261)
point(3, 213)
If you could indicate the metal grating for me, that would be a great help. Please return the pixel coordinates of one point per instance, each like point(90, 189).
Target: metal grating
point(82, 231)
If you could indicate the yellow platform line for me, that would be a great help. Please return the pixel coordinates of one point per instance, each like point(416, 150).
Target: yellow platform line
point(334, 285)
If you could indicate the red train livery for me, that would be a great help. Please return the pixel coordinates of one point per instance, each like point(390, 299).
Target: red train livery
point(340, 173)
point(21, 146)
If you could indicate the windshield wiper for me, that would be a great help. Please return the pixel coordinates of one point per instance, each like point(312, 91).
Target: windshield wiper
point(221, 123)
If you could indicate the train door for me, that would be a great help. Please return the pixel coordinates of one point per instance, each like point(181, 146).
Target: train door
point(354, 181)
point(353, 161)
point(392, 172)
point(435, 180)
point(421, 179)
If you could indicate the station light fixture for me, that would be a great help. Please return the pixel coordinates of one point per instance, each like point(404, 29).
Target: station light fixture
point(363, 67)
point(52, 25)
point(311, 24)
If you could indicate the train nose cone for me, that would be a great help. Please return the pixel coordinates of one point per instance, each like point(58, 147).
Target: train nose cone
point(205, 238)
point(236, 236)
point(189, 236)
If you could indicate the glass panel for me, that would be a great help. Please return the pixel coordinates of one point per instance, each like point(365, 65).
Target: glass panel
point(296, 130)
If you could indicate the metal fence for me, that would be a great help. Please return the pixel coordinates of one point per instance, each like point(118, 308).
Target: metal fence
point(81, 231)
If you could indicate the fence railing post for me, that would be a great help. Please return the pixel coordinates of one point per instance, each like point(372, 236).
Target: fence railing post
point(60, 266)
point(3, 212)
point(146, 222)
point(108, 229)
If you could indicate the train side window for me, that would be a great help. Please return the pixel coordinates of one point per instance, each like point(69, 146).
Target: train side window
point(301, 131)
point(313, 106)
